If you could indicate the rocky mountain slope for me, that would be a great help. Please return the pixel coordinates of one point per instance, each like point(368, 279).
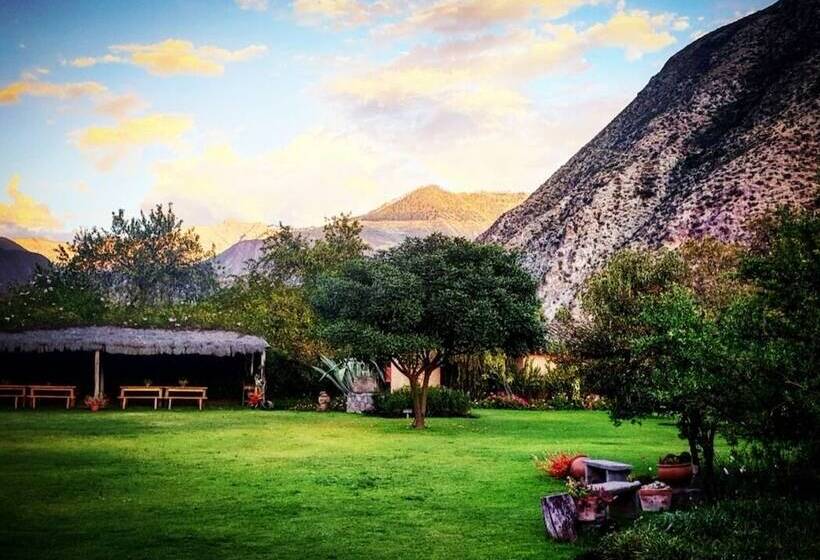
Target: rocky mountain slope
point(419, 213)
point(727, 130)
point(16, 264)
point(44, 246)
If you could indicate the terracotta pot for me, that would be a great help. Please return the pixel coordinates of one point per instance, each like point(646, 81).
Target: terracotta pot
point(655, 499)
point(587, 508)
point(675, 474)
point(577, 467)
point(94, 407)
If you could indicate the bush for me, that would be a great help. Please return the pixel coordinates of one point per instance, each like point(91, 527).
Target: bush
point(505, 401)
point(728, 530)
point(441, 401)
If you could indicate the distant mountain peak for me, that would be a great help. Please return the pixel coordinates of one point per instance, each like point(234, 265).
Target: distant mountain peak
point(728, 130)
point(432, 202)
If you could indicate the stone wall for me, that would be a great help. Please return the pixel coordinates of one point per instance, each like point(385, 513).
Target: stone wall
point(360, 402)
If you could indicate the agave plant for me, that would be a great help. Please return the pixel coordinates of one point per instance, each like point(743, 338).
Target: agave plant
point(343, 373)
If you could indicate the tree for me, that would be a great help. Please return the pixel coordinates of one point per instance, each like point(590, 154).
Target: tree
point(650, 338)
point(774, 333)
point(148, 259)
point(428, 299)
point(289, 258)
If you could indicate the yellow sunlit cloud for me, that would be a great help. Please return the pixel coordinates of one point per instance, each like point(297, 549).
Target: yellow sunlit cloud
point(114, 142)
point(637, 32)
point(467, 15)
point(13, 92)
point(173, 57)
point(342, 13)
point(23, 212)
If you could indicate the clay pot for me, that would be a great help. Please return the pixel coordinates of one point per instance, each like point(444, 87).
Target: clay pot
point(654, 498)
point(324, 402)
point(94, 407)
point(587, 509)
point(577, 467)
point(675, 474)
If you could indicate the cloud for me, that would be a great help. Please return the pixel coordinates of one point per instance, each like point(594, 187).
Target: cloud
point(253, 5)
point(341, 13)
point(119, 106)
point(23, 213)
point(173, 57)
point(637, 32)
point(28, 85)
point(109, 144)
point(318, 174)
point(454, 16)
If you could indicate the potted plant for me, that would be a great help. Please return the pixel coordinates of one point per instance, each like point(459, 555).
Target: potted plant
point(96, 403)
point(675, 469)
point(183, 381)
point(590, 503)
point(561, 465)
point(254, 399)
point(323, 402)
point(578, 466)
point(655, 497)
point(147, 382)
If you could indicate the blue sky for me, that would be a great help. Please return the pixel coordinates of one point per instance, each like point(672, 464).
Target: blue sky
point(293, 111)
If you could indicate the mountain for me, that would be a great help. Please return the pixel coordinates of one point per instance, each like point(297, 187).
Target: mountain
point(16, 264)
point(224, 234)
point(726, 131)
point(417, 214)
point(42, 245)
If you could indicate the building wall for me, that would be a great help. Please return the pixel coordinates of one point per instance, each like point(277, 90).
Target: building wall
point(397, 379)
point(544, 362)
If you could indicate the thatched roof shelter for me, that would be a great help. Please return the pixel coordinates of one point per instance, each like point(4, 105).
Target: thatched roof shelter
point(138, 342)
point(143, 342)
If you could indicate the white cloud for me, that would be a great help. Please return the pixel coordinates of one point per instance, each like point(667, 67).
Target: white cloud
point(253, 5)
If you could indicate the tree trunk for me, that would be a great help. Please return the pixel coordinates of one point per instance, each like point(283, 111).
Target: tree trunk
point(418, 408)
point(708, 446)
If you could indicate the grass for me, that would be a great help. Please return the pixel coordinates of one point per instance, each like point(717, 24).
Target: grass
point(232, 483)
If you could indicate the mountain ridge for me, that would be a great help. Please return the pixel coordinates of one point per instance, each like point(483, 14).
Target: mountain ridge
point(726, 131)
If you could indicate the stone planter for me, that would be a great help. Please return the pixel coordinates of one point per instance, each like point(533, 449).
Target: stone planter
point(360, 402)
point(655, 497)
point(578, 466)
point(588, 509)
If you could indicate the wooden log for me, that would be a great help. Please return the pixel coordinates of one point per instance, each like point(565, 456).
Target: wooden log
point(559, 516)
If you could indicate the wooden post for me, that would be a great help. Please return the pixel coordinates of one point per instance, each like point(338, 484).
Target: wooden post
point(97, 385)
point(262, 375)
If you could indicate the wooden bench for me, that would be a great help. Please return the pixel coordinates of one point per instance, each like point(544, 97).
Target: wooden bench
point(15, 392)
point(186, 394)
point(149, 392)
point(66, 392)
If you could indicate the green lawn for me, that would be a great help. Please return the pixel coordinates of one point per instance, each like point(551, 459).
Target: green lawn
point(232, 483)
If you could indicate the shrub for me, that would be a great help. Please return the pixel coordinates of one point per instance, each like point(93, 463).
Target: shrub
point(556, 465)
point(503, 400)
point(441, 401)
point(728, 530)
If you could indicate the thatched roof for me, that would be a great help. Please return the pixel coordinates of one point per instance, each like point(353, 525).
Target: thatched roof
point(144, 342)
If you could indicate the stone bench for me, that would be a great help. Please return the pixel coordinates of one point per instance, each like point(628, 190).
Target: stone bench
point(602, 470)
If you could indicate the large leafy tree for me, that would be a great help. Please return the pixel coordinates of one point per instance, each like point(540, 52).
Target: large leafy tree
point(147, 259)
point(774, 336)
point(650, 339)
point(426, 300)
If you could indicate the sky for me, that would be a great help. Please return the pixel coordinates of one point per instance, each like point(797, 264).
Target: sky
point(292, 111)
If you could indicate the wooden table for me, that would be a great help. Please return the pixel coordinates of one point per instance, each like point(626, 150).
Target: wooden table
point(15, 392)
point(186, 394)
point(52, 392)
point(140, 392)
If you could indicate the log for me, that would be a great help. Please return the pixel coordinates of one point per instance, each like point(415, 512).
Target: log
point(559, 516)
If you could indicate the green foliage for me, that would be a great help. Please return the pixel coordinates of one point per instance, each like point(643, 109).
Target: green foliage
point(441, 402)
point(291, 259)
point(148, 259)
point(344, 373)
point(728, 530)
point(651, 339)
point(428, 299)
point(774, 339)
